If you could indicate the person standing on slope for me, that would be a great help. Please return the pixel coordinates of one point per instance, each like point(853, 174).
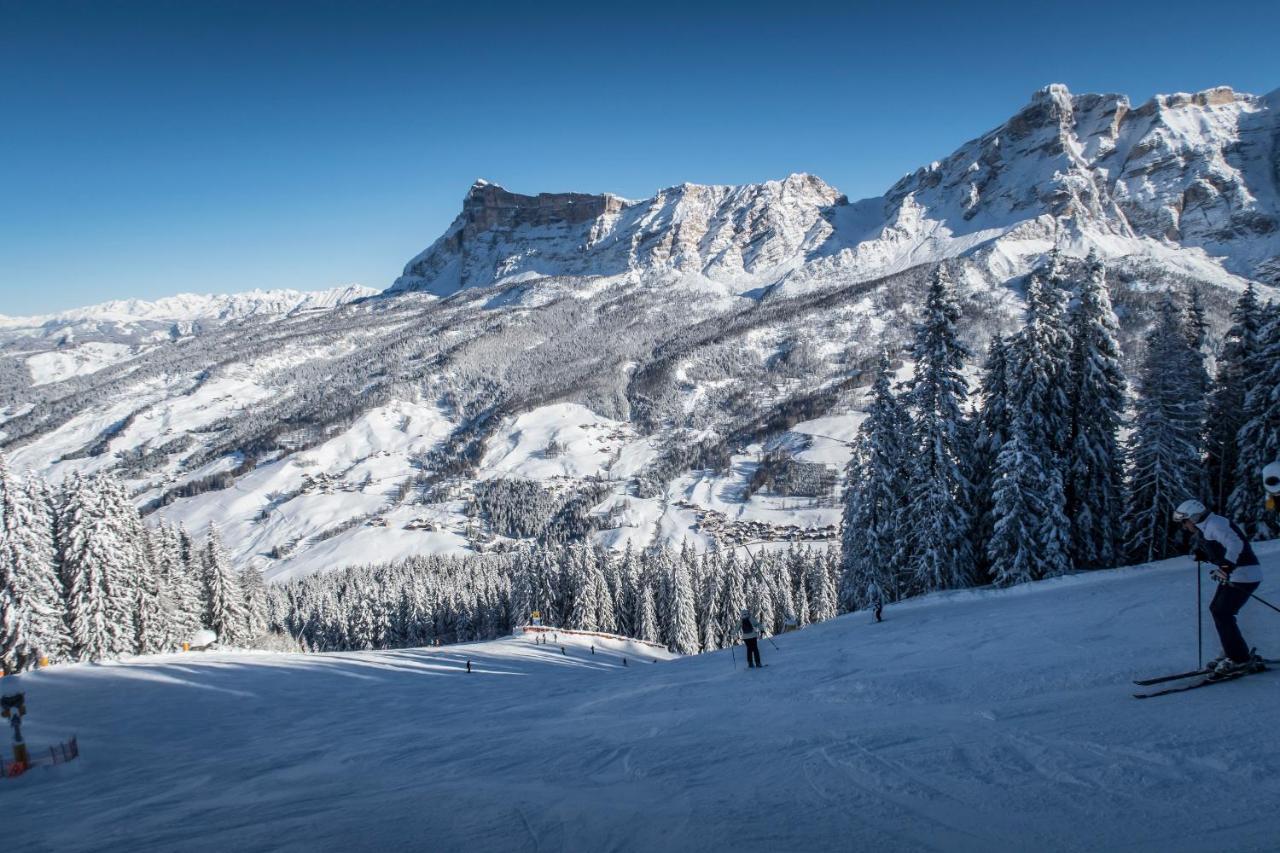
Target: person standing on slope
point(751, 636)
point(1220, 542)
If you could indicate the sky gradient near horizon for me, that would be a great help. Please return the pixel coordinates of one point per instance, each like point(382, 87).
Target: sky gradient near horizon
point(152, 148)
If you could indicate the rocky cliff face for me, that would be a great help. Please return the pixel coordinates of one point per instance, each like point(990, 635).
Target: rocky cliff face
point(1181, 172)
point(720, 232)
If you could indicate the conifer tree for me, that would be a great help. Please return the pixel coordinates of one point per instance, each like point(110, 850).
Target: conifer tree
point(1013, 545)
point(712, 635)
point(992, 424)
point(1039, 376)
point(1226, 406)
point(1258, 440)
point(255, 603)
point(1095, 458)
point(759, 592)
point(1164, 448)
point(733, 596)
point(682, 624)
point(130, 587)
point(86, 551)
point(226, 614)
point(31, 605)
point(938, 494)
point(628, 569)
point(820, 589)
point(875, 501)
point(646, 615)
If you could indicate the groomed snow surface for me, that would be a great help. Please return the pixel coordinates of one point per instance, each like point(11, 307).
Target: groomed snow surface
point(980, 720)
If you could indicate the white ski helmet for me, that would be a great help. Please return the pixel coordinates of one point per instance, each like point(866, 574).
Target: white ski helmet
point(1191, 509)
point(1271, 478)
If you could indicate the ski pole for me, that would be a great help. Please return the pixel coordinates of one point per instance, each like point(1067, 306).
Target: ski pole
point(733, 650)
point(1268, 603)
point(1199, 622)
point(772, 643)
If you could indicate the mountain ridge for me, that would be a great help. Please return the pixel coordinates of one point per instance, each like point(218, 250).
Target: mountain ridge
point(630, 365)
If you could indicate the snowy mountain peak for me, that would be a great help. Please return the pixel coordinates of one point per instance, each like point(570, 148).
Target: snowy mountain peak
point(1180, 172)
point(724, 233)
point(192, 307)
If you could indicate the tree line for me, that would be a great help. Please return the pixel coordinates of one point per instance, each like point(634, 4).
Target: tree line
point(1030, 477)
point(688, 602)
point(83, 579)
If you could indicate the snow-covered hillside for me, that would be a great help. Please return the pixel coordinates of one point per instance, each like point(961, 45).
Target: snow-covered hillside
point(978, 720)
point(660, 356)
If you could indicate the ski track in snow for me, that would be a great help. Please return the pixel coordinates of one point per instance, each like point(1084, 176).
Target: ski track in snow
point(974, 721)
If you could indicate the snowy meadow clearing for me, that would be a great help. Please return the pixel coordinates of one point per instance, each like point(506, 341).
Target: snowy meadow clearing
point(973, 720)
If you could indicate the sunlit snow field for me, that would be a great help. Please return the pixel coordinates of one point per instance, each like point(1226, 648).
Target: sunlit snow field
point(976, 720)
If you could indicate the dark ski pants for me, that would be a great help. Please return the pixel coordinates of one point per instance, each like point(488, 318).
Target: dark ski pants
point(1226, 603)
point(753, 652)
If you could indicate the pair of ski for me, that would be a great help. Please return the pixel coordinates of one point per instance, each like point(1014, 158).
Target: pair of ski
point(1206, 679)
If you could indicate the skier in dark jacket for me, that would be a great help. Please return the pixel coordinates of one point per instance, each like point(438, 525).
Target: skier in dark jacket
point(751, 636)
point(1220, 542)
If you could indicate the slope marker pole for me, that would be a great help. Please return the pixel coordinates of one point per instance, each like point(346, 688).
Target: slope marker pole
point(1199, 622)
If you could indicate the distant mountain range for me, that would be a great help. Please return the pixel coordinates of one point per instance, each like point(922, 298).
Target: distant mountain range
point(637, 362)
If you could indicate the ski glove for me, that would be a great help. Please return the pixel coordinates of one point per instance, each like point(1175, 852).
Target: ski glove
point(1222, 574)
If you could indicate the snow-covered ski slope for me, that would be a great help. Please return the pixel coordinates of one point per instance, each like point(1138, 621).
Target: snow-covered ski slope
point(981, 720)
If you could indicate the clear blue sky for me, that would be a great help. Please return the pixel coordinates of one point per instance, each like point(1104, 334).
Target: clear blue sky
point(150, 148)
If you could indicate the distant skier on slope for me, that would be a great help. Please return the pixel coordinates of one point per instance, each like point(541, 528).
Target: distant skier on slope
point(1219, 541)
point(751, 636)
point(1271, 482)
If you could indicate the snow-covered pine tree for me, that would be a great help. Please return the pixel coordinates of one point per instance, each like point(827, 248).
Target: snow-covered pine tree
point(820, 589)
point(628, 571)
point(1039, 375)
point(1095, 457)
point(86, 552)
point(759, 591)
point(589, 592)
point(681, 622)
point(606, 608)
point(31, 604)
point(1196, 322)
point(779, 571)
point(798, 571)
point(938, 494)
point(131, 599)
point(151, 612)
point(42, 544)
point(990, 434)
point(646, 614)
point(1013, 548)
point(1227, 397)
point(711, 634)
point(733, 596)
point(875, 500)
point(1195, 326)
point(186, 579)
point(226, 613)
point(255, 603)
point(1258, 440)
point(1164, 447)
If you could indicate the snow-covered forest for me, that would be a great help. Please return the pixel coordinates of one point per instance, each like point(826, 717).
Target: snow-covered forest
point(1028, 476)
point(1055, 465)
